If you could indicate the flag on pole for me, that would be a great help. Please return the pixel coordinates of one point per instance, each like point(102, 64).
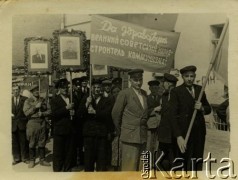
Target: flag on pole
point(121, 44)
point(221, 63)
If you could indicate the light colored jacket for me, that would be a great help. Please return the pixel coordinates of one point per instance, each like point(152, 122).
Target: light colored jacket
point(129, 117)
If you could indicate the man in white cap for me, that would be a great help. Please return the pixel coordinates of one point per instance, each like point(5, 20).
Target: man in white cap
point(130, 119)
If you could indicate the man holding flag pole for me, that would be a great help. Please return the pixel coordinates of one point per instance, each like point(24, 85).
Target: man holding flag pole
point(188, 105)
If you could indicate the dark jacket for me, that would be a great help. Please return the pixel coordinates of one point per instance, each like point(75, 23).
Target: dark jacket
point(165, 128)
point(181, 110)
point(61, 117)
point(96, 124)
point(19, 120)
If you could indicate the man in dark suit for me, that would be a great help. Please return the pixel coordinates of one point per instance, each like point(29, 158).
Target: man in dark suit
point(38, 57)
point(153, 102)
point(96, 111)
point(78, 96)
point(63, 144)
point(130, 119)
point(165, 129)
point(20, 149)
point(183, 101)
point(70, 53)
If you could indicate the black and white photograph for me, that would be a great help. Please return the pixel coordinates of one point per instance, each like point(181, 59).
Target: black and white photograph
point(37, 54)
point(145, 95)
point(70, 50)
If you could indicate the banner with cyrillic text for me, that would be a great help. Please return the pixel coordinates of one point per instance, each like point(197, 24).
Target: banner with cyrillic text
point(121, 44)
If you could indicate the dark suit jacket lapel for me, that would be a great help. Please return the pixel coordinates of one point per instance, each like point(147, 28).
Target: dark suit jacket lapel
point(135, 97)
point(13, 106)
point(186, 91)
point(197, 92)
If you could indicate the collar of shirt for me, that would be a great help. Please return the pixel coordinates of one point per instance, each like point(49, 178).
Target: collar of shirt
point(191, 90)
point(139, 95)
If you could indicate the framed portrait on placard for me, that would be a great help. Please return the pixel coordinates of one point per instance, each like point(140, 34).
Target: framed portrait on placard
point(99, 70)
point(69, 48)
point(70, 51)
point(38, 54)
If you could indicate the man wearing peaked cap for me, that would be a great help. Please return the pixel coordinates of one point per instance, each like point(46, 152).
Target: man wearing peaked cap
point(95, 110)
point(77, 97)
point(153, 101)
point(117, 82)
point(64, 128)
point(84, 83)
point(130, 119)
point(183, 102)
point(107, 85)
point(165, 129)
point(187, 69)
point(76, 82)
point(36, 109)
point(136, 73)
point(170, 78)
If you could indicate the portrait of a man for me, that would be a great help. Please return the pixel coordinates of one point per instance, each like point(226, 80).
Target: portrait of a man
point(38, 57)
point(70, 52)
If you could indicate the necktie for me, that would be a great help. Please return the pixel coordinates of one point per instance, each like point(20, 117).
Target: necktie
point(190, 89)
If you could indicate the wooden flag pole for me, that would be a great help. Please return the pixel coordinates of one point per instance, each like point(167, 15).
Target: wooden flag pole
point(207, 76)
point(71, 90)
point(90, 80)
point(39, 81)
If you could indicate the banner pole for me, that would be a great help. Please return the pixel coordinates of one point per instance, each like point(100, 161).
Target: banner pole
point(90, 80)
point(207, 76)
point(71, 90)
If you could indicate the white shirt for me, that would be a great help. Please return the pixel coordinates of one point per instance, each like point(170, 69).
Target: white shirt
point(16, 100)
point(139, 95)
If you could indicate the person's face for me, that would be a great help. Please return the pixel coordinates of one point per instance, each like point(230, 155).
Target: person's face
point(136, 83)
point(166, 85)
point(36, 93)
point(16, 91)
point(116, 91)
point(97, 89)
point(84, 84)
point(77, 87)
point(107, 88)
point(154, 89)
point(64, 90)
point(189, 78)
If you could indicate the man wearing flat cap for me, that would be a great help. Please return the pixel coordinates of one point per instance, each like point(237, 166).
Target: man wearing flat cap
point(183, 101)
point(64, 132)
point(165, 128)
point(36, 109)
point(78, 96)
point(106, 85)
point(153, 101)
point(117, 82)
point(130, 119)
point(96, 110)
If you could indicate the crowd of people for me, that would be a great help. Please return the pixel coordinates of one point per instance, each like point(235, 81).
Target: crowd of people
point(106, 128)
